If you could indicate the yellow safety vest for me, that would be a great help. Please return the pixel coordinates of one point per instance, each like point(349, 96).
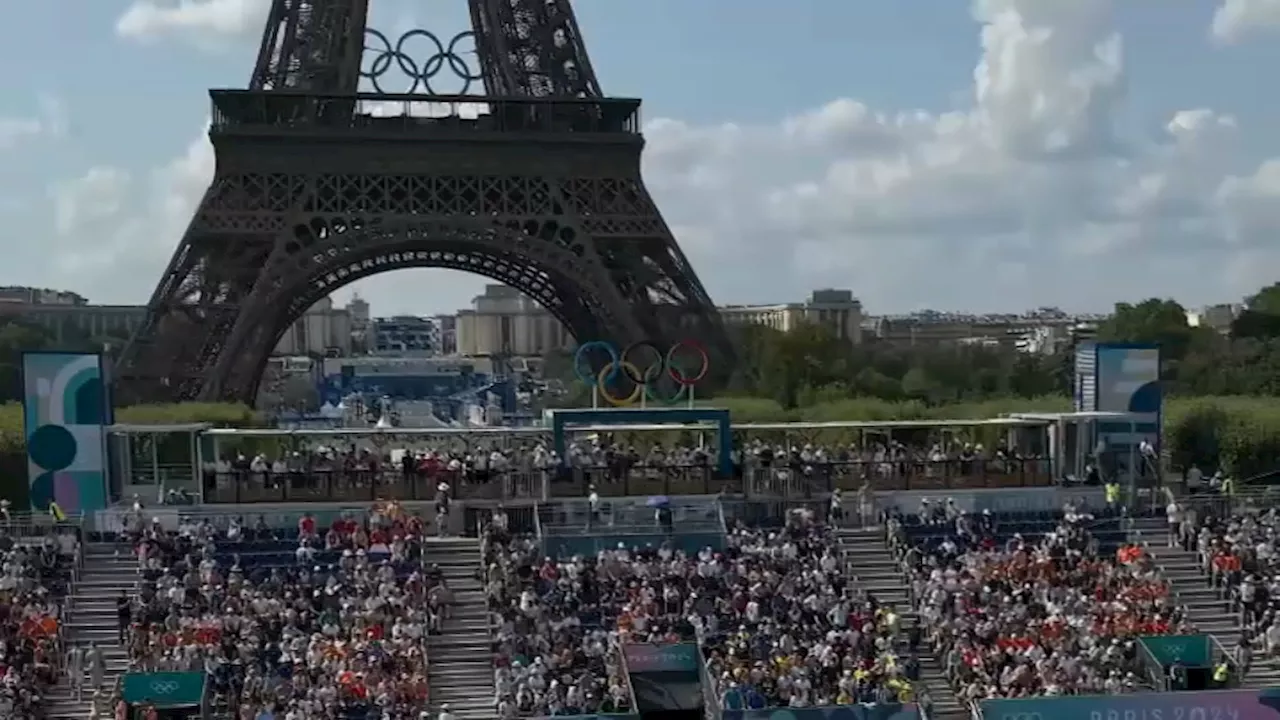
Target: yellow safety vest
point(56, 512)
point(1113, 492)
point(1220, 673)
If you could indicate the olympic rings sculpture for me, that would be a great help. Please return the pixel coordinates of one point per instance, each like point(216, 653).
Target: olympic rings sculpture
point(627, 364)
point(420, 75)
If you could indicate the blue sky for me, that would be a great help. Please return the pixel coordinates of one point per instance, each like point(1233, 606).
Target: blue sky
point(845, 143)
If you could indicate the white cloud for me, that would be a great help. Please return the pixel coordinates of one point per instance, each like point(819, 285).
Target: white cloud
point(1034, 191)
point(99, 194)
point(50, 122)
point(147, 20)
point(14, 130)
point(1235, 20)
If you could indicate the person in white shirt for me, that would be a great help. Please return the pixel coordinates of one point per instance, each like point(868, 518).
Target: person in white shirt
point(1173, 515)
point(593, 506)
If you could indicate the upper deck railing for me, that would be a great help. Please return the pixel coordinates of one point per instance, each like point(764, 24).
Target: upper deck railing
point(255, 112)
point(814, 480)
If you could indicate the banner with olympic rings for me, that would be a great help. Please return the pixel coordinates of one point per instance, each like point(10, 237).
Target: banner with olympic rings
point(663, 378)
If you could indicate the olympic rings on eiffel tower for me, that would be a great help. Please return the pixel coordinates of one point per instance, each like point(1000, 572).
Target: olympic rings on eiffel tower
point(685, 364)
point(419, 75)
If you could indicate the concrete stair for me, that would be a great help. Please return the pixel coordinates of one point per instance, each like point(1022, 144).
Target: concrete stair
point(92, 619)
point(1206, 608)
point(875, 571)
point(461, 657)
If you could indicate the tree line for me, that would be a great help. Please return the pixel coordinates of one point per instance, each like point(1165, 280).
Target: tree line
point(810, 365)
point(18, 335)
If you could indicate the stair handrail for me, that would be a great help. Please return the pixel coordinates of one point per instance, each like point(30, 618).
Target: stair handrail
point(711, 697)
point(1219, 653)
point(975, 710)
point(1159, 680)
point(616, 642)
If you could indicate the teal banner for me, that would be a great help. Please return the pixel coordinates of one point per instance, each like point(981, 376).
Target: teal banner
point(166, 689)
point(893, 711)
point(1190, 650)
point(676, 658)
point(1213, 705)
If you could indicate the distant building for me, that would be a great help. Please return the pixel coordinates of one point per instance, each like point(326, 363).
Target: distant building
point(448, 329)
point(66, 322)
point(504, 321)
point(1216, 317)
point(322, 330)
point(39, 296)
point(358, 309)
point(836, 310)
point(1041, 330)
point(404, 335)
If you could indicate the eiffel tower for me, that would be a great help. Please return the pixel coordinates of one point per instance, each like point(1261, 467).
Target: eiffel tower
point(533, 182)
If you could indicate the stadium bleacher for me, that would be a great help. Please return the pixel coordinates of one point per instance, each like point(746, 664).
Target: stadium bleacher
point(1034, 602)
point(37, 565)
point(291, 620)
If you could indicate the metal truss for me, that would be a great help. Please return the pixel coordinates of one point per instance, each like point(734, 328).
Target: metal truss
point(287, 221)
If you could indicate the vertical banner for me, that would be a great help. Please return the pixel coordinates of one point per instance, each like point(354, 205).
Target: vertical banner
point(1129, 382)
point(1085, 390)
point(65, 414)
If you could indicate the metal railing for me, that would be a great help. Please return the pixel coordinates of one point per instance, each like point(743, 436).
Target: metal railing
point(340, 485)
point(639, 479)
point(780, 478)
point(802, 479)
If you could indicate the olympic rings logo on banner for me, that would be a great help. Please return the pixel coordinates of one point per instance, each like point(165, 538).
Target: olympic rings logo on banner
point(657, 367)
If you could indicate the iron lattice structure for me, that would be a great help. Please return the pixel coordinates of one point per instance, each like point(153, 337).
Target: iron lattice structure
point(536, 184)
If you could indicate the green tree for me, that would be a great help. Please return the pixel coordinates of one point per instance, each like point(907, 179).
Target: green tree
point(1161, 322)
point(797, 362)
point(1261, 317)
point(17, 336)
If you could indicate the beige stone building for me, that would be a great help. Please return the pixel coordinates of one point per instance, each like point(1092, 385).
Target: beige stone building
point(503, 321)
point(836, 310)
point(322, 330)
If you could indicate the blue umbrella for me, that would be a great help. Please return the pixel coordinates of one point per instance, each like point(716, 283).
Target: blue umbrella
point(659, 501)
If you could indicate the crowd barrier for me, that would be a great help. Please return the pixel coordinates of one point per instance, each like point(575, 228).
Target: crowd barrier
point(1255, 704)
point(752, 478)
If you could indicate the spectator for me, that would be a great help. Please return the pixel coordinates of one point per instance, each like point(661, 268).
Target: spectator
point(33, 582)
point(1051, 614)
point(1239, 554)
point(299, 623)
point(768, 607)
point(782, 632)
point(554, 649)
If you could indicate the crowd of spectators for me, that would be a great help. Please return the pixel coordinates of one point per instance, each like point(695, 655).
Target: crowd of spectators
point(556, 622)
point(321, 621)
point(770, 609)
point(33, 582)
point(1237, 548)
point(784, 632)
point(1052, 613)
point(609, 464)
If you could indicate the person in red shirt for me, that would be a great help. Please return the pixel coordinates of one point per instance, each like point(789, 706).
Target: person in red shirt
point(307, 526)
